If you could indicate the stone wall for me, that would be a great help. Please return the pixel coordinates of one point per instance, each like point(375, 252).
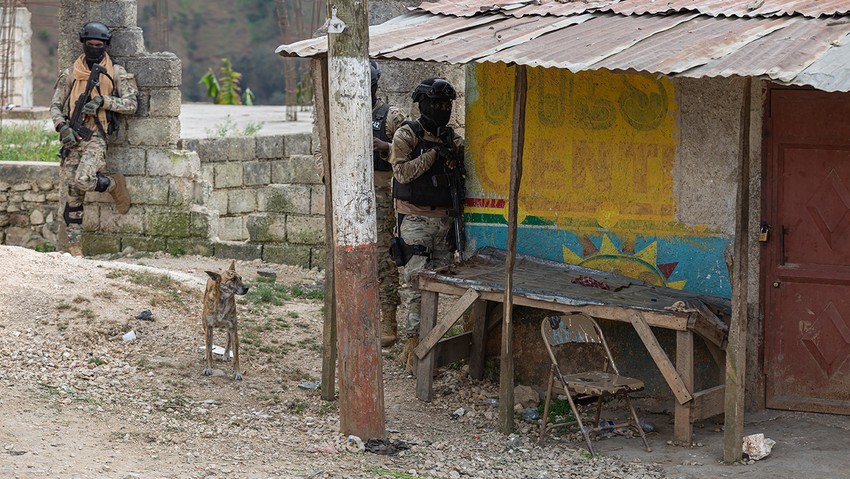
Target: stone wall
point(18, 44)
point(234, 197)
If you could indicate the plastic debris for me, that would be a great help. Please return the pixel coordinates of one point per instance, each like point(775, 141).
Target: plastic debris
point(386, 447)
point(145, 315)
point(129, 336)
point(530, 413)
point(647, 426)
point(309, 385)
point(757, 447)
point(354, 444)
point(458, 413)
point(514, 442)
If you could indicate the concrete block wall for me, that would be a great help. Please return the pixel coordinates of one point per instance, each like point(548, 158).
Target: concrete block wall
point(259, 197)
point(18, 43)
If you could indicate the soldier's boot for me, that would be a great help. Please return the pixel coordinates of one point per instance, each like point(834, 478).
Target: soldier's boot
point(75, 249)
point(116, 186)
point(388, 327)
point(408, 356)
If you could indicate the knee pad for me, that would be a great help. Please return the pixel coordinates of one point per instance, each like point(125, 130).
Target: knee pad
point(102, 183)
point(73, 214)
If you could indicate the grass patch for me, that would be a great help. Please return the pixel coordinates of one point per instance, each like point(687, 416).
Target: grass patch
point(381, 472)
point(28, 143)
point(559, 411)
point(46, 247)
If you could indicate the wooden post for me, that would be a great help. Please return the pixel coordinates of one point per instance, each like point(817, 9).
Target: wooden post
point(506, 370)
point(320, 113)
point(361, 393)
point(736, 349)
point(683, 430)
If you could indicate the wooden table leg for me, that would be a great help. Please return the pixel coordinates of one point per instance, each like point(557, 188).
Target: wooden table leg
point(478, 317)
point(683, 429)
point(425, 366)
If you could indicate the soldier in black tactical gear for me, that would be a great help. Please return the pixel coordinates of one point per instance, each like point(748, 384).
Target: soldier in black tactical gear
point(83, 110)
point(423, 152)
point(386, 119)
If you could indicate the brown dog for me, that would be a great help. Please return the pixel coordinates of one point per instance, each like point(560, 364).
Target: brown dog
point(219, 311)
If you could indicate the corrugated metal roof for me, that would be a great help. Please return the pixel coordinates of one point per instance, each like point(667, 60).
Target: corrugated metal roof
point(715, 8)
point(788, 49)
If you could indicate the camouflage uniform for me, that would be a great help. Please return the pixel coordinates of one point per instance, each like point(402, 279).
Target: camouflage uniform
point(387, 270)
point(79, 169)
point(421, 225)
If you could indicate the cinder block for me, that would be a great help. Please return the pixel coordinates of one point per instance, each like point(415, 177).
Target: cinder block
point(143, 243)
point(202, 223)
point(127, 42)
point(256, 173)
point(165, 102)
point(133, 222)
point(129, 161)
point(179, 246)
point(181, 192)
point(318, 256)
point(284, 199)
point(296, 169)
point(115, 14)
point(263, 227)
point(241, 200)
point(153, 131)
point(228, 175)
point(179, 163)
point(168, 223)
point(239, 251)
point(148, 190)
point(309, 230)
point(156, 70)
point(227, 149)
point(287, 254)
point(218, 201)
point(297, 144)
point(232, 228)
point(208, 172)
point(97, 243)
point(269, 146)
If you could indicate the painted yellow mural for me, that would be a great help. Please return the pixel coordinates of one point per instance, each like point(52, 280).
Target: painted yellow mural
point(599, 146)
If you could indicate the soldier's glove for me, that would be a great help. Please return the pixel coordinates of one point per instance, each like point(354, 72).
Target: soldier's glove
point(67, 136)
point(93, 105)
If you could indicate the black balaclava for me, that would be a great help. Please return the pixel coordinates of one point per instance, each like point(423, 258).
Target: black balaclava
point(432, 118)
point(374, 93)
point(93, 54)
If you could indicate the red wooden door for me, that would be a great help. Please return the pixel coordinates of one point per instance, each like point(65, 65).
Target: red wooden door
point(806, 261)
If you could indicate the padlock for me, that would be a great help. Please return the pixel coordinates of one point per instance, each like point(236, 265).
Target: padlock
point(764, 230)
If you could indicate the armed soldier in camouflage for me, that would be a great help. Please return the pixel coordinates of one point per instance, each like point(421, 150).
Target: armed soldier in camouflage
point(421, 151)
point(111, 92)
point(386, 119)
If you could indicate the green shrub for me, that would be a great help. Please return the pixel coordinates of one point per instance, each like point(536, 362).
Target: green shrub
point(28, 143)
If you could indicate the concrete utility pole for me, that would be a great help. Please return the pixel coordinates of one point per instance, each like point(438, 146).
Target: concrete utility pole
point(361, 393)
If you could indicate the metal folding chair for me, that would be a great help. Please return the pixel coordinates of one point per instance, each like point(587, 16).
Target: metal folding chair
point(563, 331)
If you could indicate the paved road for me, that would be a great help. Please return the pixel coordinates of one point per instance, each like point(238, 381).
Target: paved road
point(202, 120)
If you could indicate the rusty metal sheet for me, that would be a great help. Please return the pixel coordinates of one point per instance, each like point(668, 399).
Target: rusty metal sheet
point(590, 42)
point(714, 8)
point(733, 8)
point(544, 280)
point(691, 44)
point(477, 43)
point(830, 72)
point(784, 54)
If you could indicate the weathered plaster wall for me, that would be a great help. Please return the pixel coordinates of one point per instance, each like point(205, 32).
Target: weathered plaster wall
point(626, 173)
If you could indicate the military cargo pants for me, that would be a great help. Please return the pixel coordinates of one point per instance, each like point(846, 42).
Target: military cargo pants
point(78, 174)
point(387, 269)
point(430, 233)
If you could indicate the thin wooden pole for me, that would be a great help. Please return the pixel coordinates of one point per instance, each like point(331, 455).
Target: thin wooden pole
point(506, 370)
point(320, 111)
point(360, 379)
point(736, 349)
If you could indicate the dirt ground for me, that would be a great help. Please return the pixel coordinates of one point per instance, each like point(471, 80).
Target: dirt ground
point(78, 401)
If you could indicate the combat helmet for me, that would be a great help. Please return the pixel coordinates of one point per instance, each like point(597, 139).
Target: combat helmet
point(95, 31)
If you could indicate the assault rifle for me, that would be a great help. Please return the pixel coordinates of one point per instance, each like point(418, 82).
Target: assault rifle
point(454, 179)
point(76, 122)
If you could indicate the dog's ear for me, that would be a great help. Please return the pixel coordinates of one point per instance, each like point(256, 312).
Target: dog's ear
point(215, 276)
point(233, 265)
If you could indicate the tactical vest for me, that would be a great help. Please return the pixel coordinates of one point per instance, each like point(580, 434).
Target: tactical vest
point(421, 191)
point(379, 130)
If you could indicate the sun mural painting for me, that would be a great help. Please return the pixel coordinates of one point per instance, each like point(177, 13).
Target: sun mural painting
point(642, 265)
